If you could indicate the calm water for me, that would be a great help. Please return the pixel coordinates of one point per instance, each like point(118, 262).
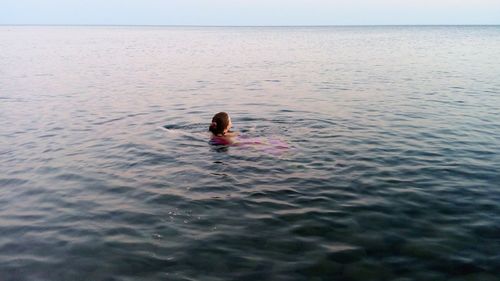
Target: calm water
point(107, 174)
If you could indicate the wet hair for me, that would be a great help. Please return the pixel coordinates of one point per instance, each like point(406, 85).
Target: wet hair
point(220, 121)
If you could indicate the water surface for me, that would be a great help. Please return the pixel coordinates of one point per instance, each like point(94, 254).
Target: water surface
point(107, 173)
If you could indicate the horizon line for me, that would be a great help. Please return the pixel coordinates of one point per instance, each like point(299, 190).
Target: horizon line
point(199, 25)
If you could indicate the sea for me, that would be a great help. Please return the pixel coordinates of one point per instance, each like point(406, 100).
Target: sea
point(391, 168)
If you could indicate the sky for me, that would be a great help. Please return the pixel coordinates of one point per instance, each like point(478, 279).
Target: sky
point(249, 12)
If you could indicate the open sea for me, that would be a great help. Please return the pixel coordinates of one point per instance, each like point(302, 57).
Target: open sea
point(392, 170)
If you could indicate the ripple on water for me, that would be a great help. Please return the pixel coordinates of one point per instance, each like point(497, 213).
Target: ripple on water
point(391, 174)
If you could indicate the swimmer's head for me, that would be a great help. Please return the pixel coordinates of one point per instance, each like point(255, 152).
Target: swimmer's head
point(221, 123)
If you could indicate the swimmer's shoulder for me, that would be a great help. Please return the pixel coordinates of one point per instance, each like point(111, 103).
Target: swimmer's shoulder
point(221, 140)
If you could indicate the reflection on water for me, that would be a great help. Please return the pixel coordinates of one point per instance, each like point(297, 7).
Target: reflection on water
point(107, 173)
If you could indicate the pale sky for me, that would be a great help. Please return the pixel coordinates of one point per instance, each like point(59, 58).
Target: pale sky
point(249, 12)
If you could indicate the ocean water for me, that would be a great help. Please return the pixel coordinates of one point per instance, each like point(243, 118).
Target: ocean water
point(392, 170)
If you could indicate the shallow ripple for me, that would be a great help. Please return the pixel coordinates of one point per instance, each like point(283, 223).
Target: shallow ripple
point(107, 173)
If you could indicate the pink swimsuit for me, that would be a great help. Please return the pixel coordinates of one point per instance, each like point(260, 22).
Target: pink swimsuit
point(268, 145)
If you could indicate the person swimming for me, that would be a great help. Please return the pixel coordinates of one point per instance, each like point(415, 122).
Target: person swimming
point(222, 135)
point(220, 128)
